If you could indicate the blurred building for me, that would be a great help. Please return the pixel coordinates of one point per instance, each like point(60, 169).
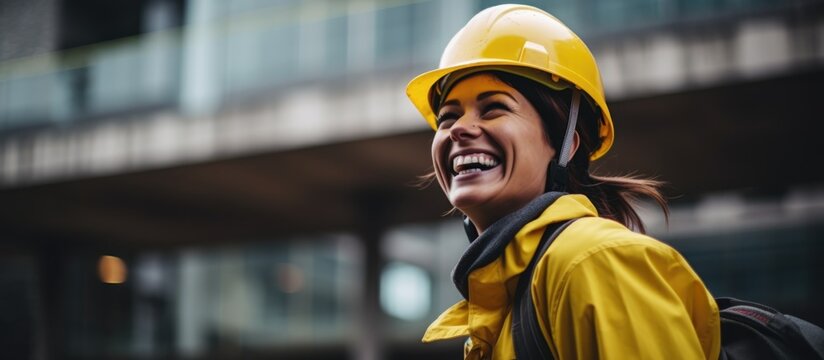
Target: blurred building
point(214, 179)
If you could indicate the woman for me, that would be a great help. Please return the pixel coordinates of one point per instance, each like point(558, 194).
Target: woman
point(519, 112)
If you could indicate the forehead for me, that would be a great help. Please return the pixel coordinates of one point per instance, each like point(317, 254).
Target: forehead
point(472, 85)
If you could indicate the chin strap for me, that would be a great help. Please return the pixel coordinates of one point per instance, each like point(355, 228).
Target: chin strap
point(469, 228)
point(557, 177)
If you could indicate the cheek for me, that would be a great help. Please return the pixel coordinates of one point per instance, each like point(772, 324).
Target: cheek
point(533, 152)
point(439, 143)
point(437, 149)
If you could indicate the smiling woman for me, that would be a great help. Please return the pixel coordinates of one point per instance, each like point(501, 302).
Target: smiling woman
point(519, 112)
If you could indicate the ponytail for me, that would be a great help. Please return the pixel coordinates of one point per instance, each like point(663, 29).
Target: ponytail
point(614, 197)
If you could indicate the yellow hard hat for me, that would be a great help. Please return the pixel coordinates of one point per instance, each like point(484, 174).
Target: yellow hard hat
point(523, 40)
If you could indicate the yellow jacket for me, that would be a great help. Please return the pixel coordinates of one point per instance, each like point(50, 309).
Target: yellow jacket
point(601, 291)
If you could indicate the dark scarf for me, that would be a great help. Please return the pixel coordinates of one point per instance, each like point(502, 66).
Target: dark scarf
point(491, 244)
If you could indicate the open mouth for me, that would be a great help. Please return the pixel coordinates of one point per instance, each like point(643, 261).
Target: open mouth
point(473, 163)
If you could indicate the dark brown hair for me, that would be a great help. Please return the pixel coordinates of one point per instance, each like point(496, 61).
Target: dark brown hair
point(613, 196)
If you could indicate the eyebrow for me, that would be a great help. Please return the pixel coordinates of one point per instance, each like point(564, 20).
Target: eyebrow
point(487, 94)
point(481, 96)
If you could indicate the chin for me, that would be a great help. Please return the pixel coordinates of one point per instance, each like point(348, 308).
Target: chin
point(465, 200)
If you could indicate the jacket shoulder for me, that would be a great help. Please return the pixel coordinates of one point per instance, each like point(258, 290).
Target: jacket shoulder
point(598, 274)
point(588, 235)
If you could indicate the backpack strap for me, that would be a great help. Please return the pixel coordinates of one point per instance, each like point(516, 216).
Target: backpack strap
point(526, 332)
point(750, 330)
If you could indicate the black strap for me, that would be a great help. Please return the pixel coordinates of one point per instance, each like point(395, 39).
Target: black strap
point(751, 330)
point(526, 332)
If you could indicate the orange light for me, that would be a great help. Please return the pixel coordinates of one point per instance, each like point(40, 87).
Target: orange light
point(290, 278)
point(112, 269)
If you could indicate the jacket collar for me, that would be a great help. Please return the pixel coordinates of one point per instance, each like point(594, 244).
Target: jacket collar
point(491, 244)
point(490, 284)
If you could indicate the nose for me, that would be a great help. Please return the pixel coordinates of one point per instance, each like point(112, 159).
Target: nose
point(465, 128)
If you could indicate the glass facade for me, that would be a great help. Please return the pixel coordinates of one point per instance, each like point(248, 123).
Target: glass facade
point(425, 254)
point(245, 47)
point(593, 18)
point(262, 296)
point(775, 265)
point(112, 77)
point(208, 300)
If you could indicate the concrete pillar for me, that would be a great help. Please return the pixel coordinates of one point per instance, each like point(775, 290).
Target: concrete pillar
point(372, 208)
point(52, 263)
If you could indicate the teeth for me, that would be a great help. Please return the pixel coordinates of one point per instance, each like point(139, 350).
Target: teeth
point(480, 158)
point(467, 171)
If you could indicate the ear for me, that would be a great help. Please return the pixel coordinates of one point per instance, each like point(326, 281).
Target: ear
point(576, 140)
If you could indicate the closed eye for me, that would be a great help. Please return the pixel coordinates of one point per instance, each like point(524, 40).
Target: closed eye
point(494, 109)
point(446, 119)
